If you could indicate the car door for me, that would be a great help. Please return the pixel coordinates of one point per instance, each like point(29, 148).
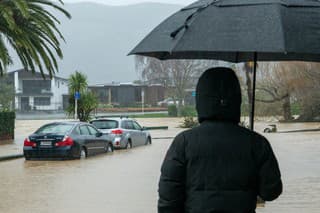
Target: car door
point(135, 132)
point(99, 142)
point(88, 139)
point(129, 128)
point(141, 135)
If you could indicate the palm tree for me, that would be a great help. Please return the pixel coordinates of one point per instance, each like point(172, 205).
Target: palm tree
point(87, 103)
point(78, 82)
point(32, 32)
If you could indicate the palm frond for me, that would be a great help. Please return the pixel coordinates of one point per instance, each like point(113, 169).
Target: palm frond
point(32, 32)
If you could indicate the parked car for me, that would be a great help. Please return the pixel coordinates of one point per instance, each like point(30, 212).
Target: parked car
point(66, 140)
point(168, 102)
point(123, 131)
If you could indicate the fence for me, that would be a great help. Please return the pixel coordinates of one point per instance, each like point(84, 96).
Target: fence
point(44, 106)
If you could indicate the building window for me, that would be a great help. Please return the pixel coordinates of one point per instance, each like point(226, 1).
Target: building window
point(36, 86)
point(42, 101)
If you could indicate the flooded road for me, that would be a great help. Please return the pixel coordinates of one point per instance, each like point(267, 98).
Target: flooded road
point(126, 181)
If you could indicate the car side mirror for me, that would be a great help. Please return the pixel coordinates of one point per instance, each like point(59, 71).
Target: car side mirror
point(99, 134)
point(144, 128)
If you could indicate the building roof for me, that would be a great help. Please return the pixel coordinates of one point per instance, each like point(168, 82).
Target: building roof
point(36, 74)
point(117, 84)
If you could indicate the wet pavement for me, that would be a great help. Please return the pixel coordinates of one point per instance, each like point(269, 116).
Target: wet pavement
point(126, 181)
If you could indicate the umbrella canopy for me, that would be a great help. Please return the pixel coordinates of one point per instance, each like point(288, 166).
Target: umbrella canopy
point(233, 30)
point(238, 31)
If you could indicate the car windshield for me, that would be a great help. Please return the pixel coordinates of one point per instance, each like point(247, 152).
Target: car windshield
point(105, 124)
point(55, 129)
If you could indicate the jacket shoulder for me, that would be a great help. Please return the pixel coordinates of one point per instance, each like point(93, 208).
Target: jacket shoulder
point(257, 137)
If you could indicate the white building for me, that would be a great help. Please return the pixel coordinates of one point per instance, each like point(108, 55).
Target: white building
point(36, 92)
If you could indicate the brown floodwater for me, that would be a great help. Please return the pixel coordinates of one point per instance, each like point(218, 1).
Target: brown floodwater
point(126, 181)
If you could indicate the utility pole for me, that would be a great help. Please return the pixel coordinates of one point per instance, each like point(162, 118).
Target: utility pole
point(142, 100)
point(76, 98)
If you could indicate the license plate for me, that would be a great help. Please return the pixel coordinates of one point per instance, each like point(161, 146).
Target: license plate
point(45, 143)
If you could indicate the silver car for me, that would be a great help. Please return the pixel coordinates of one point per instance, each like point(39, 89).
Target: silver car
point(123, 131)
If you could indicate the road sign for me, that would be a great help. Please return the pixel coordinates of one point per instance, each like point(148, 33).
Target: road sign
point(77, 95)
point(193, 94)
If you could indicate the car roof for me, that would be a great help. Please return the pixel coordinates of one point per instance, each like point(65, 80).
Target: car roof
point(112, 118)
point(66, 122)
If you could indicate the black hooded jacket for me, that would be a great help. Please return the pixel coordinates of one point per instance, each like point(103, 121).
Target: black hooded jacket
point(219, 166)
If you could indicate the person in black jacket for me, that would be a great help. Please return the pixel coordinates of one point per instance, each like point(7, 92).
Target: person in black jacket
point(218, 166)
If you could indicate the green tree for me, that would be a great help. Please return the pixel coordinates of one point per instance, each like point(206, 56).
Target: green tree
point(31, 30)
point(87, 103)
point(6, 94)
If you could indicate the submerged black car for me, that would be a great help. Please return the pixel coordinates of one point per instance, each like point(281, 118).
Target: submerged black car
point(66, 140)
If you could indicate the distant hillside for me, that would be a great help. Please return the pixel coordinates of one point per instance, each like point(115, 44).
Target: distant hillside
point(98, 38)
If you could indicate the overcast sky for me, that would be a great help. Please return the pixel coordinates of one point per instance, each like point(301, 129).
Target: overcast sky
point(126, 2)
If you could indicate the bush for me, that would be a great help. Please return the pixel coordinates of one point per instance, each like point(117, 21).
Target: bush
point(189, 122)
point(295, 109)
point(172, 111)
point(86, 105)
point(7, 123)
point(188, 111)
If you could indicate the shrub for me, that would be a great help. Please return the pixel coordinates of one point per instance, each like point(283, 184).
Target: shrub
point(189, 122)
point(187, 111)
point(172, 111)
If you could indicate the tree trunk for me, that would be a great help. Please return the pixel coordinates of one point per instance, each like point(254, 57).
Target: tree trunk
point(249, 87)
point(310, 113)
point(286, 107)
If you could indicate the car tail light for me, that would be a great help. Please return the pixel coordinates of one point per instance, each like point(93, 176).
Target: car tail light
point(27, 142)
point(67, 141)
point(117, 131)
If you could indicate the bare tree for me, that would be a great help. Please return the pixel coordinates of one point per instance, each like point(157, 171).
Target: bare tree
point(306, 88)
point(287, 82)
point(177, 74)
point(274, 85)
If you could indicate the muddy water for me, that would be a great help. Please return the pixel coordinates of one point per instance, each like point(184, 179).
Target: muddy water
point(126, 181)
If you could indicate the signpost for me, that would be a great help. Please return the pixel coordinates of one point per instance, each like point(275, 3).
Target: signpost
point(142, 100)
point(76, 98)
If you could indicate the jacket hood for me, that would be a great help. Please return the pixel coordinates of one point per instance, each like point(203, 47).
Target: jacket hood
point(218, 95)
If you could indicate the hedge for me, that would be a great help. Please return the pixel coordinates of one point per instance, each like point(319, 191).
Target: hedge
point(7, 121)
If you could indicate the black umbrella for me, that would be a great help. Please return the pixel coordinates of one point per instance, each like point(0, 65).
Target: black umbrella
point(238, 31)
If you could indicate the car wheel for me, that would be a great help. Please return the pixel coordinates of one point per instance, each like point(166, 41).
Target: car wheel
point(267, 130)
point(129, 145)
point(109, 148)
point(83, 153)
point(148, 141)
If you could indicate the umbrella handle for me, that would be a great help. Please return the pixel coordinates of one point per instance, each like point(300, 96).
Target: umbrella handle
point(253, 91)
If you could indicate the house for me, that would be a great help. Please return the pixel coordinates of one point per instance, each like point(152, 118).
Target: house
point(128, 94)
point(34, 92)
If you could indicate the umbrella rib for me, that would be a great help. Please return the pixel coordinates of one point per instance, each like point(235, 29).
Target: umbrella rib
point(186, 23)
point(282, 31)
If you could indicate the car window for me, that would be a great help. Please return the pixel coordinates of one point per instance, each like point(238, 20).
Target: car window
point(105, 124)
point(124, 124)
point(55, 128)
point(76, 131)
point(136, 125)
point(92, 130)
point(130, 125)
point(84, 130)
